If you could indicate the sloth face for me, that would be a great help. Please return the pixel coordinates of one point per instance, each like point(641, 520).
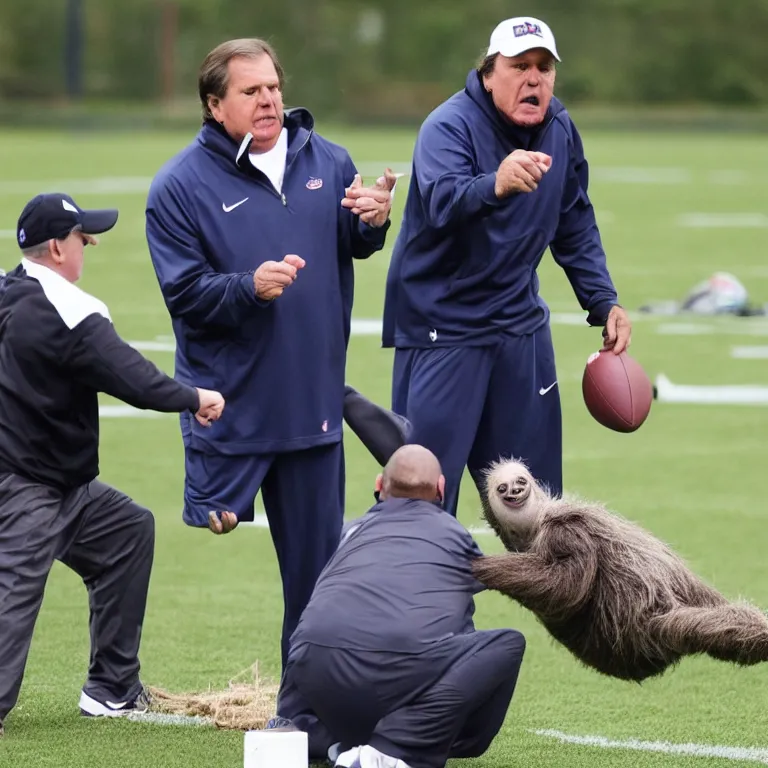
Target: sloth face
point(512, 503)
point(514, 492)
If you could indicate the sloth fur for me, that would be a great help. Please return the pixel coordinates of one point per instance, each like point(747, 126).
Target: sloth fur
point(620, 600)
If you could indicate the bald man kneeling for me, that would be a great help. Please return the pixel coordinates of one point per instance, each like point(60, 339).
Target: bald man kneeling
point(386, 668)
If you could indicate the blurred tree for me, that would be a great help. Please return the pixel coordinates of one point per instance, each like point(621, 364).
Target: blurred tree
point(384, 59)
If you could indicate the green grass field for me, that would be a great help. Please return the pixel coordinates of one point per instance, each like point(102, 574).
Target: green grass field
point(695, 475)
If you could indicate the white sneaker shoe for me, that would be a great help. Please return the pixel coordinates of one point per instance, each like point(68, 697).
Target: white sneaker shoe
point(347, 759)
point(90, 707)
point(368, 757)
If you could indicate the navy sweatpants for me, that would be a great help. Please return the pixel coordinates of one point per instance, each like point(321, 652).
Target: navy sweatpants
point(303, 495)
point(474, 405)
point(448, 702)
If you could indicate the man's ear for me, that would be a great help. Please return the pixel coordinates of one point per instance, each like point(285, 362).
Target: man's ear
point(441, 487)
point(55, 252)
point(213, 106)
point(379, 484)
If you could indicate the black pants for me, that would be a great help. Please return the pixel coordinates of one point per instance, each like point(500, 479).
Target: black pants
point(104, 537)
point(447, 702)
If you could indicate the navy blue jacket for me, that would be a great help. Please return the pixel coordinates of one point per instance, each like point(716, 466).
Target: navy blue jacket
point(464, 265)
point(400, 580)
point(279, 364)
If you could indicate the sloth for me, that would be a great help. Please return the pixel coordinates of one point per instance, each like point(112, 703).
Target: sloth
point(619, 599)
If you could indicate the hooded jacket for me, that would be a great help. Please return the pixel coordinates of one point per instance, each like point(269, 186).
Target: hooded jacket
point(463, 269)
point(212, 218)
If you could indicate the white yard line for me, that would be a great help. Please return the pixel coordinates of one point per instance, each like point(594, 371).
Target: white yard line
point(757, 326)
point(721, 220)
point(629, 175)
point(752, 754)
point(723, 752)
point(749, 353)
point(130, 185)
point(260, 521)
point(736, 394)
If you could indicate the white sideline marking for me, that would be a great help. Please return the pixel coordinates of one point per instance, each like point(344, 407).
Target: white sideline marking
point(754, 754)
point(711, 220)
point(8, 233)
point(742, 327)
point(626, 175)
point(372, 327)
point(129, 412)
point(154, 346)
point(685, 329)
point(260, 521)
point(370, 170)
point(101, 185)
point(710, 395)
point(749, 353)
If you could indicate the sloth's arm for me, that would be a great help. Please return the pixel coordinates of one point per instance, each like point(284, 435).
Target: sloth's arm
point(554, 577)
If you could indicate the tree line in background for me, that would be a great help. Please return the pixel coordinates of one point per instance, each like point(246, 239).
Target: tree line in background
point(390, 60)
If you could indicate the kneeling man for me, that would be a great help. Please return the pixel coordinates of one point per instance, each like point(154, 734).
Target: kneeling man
point(386, 668)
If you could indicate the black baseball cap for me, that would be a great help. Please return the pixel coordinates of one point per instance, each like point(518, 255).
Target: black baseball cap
point(54, 215)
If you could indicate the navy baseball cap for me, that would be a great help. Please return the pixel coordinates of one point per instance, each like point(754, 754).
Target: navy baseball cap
point(55, 215)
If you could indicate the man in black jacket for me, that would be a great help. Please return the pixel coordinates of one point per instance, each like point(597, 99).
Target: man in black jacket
point(58, 350)
point(386, 664)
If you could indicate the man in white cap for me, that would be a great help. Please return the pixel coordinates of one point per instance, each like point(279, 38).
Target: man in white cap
point(499, 175)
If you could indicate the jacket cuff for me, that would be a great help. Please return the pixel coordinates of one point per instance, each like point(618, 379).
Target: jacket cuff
point(485, 189)
point(598, 315)
point(192, 398)
point(374, 235)
point(247, 291)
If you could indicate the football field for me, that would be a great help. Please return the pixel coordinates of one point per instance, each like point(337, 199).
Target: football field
point(673, 209)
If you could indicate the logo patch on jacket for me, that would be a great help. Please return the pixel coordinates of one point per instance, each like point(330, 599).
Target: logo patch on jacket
point(314, 183)
point(527, 29)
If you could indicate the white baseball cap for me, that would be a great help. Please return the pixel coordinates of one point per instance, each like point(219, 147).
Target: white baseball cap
point(520, 34)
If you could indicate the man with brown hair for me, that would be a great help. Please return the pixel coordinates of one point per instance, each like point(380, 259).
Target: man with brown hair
point(252, 231)
point(386, 668)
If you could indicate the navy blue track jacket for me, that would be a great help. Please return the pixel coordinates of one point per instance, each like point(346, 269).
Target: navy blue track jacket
point(400, 581)
point(464, 265)
point(279, 364)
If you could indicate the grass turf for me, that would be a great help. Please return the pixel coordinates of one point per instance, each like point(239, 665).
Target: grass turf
point(694, 475)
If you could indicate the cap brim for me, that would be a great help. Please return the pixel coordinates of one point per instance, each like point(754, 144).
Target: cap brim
point(98, 221)
point(511, 52)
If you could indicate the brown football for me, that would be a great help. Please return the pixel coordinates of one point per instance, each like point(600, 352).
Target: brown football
point(617, 391)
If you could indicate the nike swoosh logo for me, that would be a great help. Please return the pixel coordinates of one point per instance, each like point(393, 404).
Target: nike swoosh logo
point(543, 391)
point(228, 208)
point(112, 705)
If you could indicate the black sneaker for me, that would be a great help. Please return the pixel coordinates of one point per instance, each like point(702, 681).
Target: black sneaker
point(90, 707)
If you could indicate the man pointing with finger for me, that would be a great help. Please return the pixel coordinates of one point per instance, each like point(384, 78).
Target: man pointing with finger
point(499, 176)
point(253, 248)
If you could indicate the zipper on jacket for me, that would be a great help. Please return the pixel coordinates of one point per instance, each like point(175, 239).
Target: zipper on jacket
point(260, 177)
point(290, 163)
